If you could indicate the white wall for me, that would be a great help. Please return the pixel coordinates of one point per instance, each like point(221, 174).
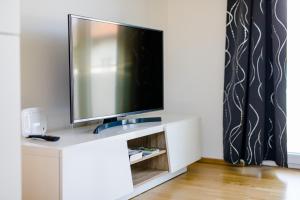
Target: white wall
point(195, 65)
point(44, 54)
point(10, 165)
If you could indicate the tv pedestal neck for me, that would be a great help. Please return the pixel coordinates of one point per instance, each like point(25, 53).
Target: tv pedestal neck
point(112, 122)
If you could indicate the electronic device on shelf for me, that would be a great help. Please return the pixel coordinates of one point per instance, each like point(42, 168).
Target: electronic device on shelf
point(115, 70)
point(34, 122)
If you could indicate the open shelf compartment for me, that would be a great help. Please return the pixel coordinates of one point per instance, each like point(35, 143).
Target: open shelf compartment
point(151, 166)
point(162, 151)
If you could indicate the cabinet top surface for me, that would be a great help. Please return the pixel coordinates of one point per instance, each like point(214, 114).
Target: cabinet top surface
point(75, 136)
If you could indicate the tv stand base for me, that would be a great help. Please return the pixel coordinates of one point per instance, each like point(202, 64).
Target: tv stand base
point(114, 122)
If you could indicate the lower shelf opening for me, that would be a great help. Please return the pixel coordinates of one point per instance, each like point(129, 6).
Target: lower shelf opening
point(141, 176)
point(152, 166)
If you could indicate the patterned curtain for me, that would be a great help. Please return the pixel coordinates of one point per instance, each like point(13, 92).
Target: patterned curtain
point(254, 118)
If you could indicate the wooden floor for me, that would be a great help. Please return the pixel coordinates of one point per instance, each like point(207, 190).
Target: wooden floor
point(213, 181)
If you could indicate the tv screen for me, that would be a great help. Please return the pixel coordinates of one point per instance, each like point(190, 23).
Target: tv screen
point(115, 69)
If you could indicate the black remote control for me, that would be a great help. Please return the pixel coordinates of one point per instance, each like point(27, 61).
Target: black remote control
point(45, 137)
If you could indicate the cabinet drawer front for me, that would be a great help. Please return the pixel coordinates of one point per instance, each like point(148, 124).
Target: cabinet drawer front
point(96, 170)
point(40, 177)
point(184, 143)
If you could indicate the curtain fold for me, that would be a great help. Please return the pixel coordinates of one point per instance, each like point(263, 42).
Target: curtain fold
point(254, 117)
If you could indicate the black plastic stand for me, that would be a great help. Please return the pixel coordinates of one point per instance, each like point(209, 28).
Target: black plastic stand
point(112, 122)
point(109, 120)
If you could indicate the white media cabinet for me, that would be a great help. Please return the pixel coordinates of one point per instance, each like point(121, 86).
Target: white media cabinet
point(82, 165)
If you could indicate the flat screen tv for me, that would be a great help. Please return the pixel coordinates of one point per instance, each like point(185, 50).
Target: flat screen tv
point(115, 69)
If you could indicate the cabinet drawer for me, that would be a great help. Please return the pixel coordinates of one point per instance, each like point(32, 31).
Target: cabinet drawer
point(96, 170)
point(184, 143)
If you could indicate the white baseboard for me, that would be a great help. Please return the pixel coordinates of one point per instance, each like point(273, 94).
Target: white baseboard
point(293, 161)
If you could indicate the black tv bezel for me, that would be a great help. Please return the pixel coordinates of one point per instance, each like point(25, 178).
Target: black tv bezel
point(71, 78)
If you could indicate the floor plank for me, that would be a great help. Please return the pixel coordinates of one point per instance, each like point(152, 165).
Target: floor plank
point(213, 181)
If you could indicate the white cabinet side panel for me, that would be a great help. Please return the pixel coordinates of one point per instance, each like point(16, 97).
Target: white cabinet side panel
point(40, 179)
point(96, 170)
point(183, 142)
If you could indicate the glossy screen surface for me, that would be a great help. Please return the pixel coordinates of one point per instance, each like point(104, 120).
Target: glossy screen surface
point(114, 69)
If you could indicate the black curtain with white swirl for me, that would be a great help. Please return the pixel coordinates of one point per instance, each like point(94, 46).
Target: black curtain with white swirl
point(254, 118)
